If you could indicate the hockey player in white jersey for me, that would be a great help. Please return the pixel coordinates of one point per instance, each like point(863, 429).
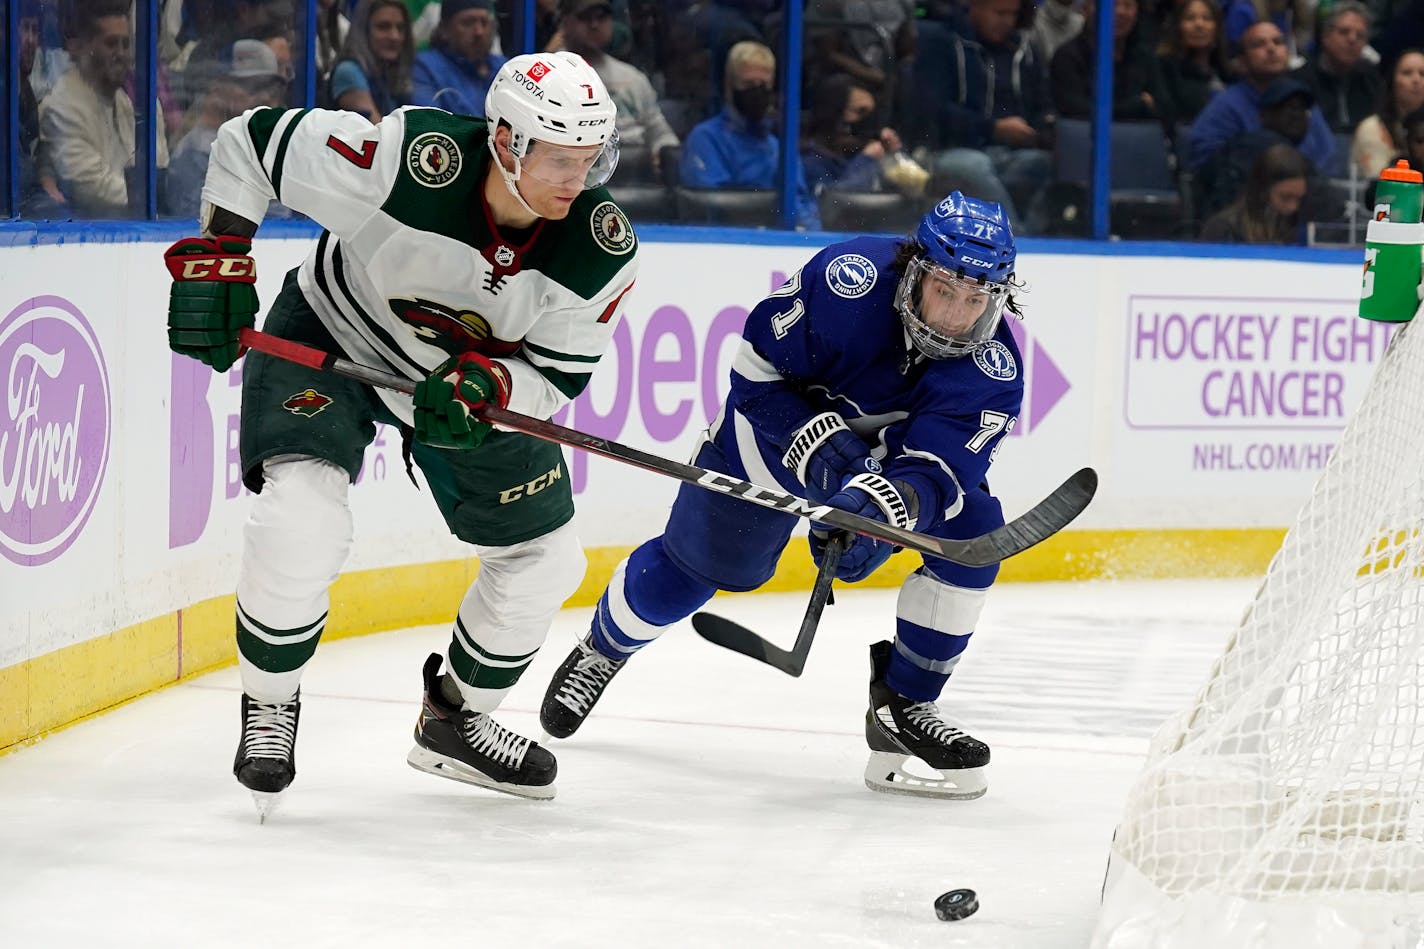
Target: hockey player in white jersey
point(481, 259)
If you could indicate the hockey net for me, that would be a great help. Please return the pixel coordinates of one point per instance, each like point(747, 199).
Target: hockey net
point(1283, 808)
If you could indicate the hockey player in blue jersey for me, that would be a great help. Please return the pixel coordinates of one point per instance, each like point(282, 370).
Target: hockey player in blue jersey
point(880, 380)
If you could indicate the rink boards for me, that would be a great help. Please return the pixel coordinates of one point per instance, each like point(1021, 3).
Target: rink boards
point(1208, 392)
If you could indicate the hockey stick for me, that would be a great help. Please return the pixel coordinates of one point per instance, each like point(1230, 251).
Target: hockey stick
point(1039, 523)
point(736, 637)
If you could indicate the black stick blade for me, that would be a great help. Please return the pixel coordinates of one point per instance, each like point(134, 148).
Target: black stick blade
point(721, 631)
point(1033, 527)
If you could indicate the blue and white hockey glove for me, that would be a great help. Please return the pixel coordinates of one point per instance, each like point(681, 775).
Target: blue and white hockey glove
point(872, 496)
point(824, 454)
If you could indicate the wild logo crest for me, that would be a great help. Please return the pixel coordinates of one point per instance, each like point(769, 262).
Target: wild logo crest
point(307, 403)
point(454, 331)
point(433, 159)
point(611, 229)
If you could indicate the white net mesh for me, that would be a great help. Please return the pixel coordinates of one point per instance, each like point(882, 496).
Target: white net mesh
point(1291, 787)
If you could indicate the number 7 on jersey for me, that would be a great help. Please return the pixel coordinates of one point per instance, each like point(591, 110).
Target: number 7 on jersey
point(361, 159)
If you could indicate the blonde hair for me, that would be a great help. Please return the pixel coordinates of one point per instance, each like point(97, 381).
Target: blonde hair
point(747, 52)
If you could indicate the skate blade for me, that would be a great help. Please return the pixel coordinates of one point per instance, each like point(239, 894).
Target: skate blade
point(422, 759)
point(885, 772)
point(266, 803)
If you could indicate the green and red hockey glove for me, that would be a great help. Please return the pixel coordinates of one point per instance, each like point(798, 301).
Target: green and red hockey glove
point(448, 402)
point(212, 297)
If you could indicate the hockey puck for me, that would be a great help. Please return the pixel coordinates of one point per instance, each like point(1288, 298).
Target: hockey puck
point(956, 904)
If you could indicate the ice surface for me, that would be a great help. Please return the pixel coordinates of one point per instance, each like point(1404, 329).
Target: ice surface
point(709, 801)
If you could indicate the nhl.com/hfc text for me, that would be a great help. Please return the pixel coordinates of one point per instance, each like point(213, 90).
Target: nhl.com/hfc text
point(1260, 456)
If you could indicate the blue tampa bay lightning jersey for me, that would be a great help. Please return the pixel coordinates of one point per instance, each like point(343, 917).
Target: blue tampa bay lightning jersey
point(831, 340)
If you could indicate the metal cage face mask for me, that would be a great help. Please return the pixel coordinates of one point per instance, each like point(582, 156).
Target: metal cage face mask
point(560, 166)
point(947, 315)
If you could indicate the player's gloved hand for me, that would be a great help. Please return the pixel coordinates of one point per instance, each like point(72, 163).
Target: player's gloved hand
point(212, 297)
point(824, 453)
point(448, 402)
point(872, 496)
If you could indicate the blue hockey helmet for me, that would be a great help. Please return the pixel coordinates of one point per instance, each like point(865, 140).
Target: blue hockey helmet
point(952, 297)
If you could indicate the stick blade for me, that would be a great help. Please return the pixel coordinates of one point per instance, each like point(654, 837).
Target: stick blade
point(1031, 528)
point(721, 631)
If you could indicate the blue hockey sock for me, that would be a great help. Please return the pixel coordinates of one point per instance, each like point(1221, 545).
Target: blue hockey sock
point(648, 593)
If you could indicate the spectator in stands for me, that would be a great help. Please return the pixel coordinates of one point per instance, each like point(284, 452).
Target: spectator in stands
point(847, 147)
point(1055, 23)
point(1268, 208)
point(620, 43)
point(1285, 120)
point(456, 71)
point(255, 78)
point(1346, 86)
point(985, 115)
point(1379, 139)
point(87, 120)
point(1190, 62)
point(209, 29)
point(1239, 15)
point(643, 133)
point(871, 41)
point(373, 76)
point(1236, 108)
point(1075, 67)
point(736, 148)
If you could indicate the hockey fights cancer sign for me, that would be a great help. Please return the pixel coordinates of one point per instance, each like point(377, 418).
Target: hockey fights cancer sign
point(55, 428)
point(1218, 368)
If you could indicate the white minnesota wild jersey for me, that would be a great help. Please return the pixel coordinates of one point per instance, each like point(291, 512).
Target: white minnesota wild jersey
point(410, 268)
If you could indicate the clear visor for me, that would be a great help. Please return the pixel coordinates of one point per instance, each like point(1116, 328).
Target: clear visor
point(946, 314)
point(571, 166)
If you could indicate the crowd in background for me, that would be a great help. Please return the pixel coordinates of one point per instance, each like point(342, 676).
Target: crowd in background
point(1240, 120)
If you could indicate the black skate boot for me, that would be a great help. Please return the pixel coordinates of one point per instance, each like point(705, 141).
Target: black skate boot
point(898, 729)
point(266, 759)
point(575, 688)
point(474, 748)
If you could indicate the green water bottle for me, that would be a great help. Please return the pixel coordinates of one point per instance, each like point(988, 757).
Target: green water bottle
point(1394, 247)
point(1399, 196)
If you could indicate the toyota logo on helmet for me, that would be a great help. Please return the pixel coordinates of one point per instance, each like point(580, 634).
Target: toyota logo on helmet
point(552, 97)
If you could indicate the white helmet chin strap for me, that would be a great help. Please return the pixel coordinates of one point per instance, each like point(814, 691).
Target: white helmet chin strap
point(511, 183)
point(511, 179)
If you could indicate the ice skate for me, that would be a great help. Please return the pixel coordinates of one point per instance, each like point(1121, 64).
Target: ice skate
point(899, 729)
point(575, 688)
point(472, 747)
point(266, 759)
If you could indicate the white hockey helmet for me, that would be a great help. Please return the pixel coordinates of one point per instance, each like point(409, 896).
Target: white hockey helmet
point(555, 98)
